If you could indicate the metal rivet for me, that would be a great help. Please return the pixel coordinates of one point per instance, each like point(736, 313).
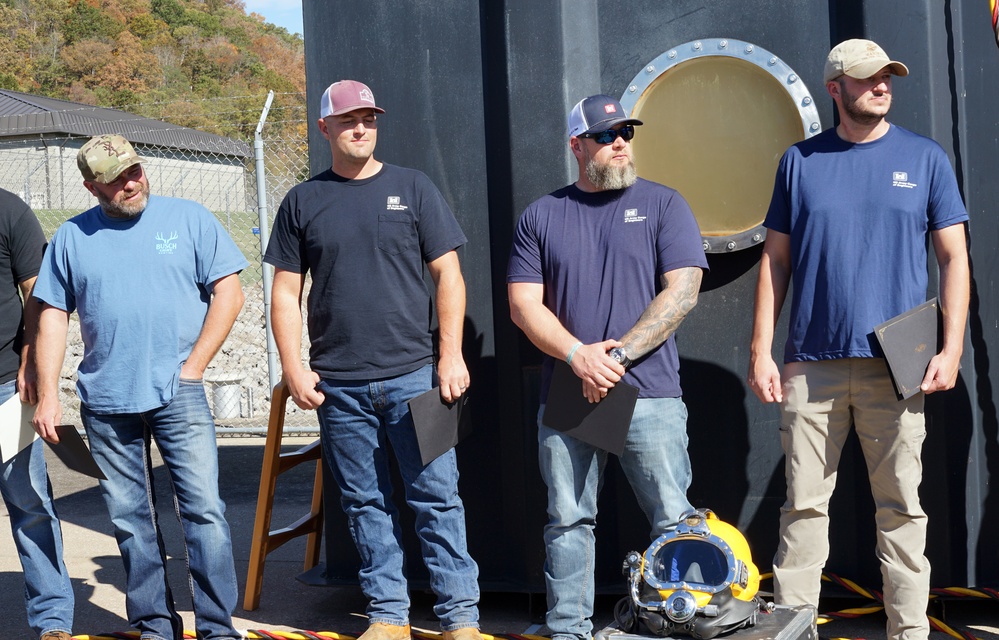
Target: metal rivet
point(672, 54)
point(723, 44)
point(757, 237)
point(814, 127)
point(650, 69)
point(697, 46)
point(791, 79)
point(706, 246)
point(730, 246)
point(806, 101)
point(633, 88)
point(772, 61)
point(749, 48)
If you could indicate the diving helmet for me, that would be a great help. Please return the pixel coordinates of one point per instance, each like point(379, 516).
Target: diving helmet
point(698, 580)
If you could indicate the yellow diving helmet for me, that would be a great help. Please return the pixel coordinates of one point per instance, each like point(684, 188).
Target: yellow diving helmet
point(698, 580)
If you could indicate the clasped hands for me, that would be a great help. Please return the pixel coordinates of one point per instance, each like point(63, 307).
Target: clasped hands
point(598, 371)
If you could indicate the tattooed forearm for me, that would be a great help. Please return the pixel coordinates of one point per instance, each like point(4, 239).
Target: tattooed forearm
point(665, 313)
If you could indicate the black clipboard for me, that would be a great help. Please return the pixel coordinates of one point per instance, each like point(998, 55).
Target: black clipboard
point(909, 341)
point(439, 425)
point(602, 424)
point(73, 452)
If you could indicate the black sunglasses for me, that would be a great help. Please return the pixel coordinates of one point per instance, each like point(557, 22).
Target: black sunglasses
point(610, 135)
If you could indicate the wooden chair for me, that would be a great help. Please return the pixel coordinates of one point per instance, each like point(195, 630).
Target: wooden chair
point(275, 463)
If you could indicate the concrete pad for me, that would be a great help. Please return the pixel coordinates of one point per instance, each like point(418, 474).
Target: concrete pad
point(91, 555)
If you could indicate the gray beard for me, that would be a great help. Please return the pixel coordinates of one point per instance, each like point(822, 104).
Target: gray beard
point(115, 210)
point(607, 177)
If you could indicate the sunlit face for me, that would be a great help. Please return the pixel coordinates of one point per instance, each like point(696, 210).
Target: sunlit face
point(125, 197)
point(352, 135)
point(865, 101)
point(608, 166)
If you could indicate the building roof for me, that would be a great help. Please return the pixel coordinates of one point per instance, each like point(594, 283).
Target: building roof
point(26, 114)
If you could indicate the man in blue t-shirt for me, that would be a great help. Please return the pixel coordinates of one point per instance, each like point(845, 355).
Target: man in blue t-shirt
point(365, 230)
point(155, 283)
point(601, 274)
point(851, 215)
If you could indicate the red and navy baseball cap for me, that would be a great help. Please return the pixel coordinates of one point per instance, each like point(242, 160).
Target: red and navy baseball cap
point(597, 113)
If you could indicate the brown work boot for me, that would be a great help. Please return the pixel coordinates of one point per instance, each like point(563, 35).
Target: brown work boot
point(56, 635)
point(465, 633)
point(382, 631)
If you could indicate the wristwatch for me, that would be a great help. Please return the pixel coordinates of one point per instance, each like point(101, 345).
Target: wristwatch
point(620, 356)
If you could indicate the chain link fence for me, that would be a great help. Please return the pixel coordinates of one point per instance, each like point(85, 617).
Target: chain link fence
point(41, 169)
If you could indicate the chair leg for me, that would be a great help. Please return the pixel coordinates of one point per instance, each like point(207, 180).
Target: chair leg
point(314, 541)
point(265, 497)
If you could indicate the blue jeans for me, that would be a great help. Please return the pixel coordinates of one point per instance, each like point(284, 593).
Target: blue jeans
point(656, 464)
point(185, 436)
point(24, 483)
point(359, 419)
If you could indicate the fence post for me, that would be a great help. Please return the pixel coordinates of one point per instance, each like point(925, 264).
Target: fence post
point(266, 270)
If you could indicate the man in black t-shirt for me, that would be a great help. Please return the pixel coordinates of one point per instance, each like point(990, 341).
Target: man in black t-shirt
point(24, 479)
point(365, 230)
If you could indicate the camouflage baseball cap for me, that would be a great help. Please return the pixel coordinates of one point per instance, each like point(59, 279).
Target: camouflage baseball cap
point(104, 158)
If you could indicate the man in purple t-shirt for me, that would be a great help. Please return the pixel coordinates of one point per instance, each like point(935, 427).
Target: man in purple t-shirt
point(601, 274)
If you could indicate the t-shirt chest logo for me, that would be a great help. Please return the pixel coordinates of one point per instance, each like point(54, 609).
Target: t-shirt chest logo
point(395, 204)
point(631, 215)
point(901, 179)
point(165, 244)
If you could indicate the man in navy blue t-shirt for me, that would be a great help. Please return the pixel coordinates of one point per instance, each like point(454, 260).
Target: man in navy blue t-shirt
point(365, 230)
point(601, 274)
point(848, 224)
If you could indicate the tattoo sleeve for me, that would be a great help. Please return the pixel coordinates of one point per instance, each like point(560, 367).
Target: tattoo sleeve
point(665, 313)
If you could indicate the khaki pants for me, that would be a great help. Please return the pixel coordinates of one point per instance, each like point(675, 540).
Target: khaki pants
point(822, 400)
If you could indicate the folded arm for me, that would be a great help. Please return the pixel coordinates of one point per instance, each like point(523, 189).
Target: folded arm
point(590, 362)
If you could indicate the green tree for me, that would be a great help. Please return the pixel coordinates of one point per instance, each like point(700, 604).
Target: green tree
point(169, 11)
point(9, 81)
point(85, 22)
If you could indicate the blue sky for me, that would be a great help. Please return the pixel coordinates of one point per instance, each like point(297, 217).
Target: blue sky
point(283, 13)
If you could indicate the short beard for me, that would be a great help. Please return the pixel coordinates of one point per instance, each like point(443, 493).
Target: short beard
point(850, 107)
point(126, 211)
point(607, 177)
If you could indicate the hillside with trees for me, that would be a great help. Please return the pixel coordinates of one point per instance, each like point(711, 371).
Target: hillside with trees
point(204, 64)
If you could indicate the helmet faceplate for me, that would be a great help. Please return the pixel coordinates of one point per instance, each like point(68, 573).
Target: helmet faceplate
point(696, 580)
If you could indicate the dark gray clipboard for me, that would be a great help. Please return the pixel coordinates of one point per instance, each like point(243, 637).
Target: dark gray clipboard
point(439, 425)
point(73, 452)
point(909, 341)
point(602, 424)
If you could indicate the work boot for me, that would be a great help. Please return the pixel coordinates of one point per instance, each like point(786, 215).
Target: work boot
point(56, 635)
point(382, 631)
point(465, 633)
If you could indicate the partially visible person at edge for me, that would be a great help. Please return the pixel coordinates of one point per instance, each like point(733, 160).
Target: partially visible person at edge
point(155, 282)
point(366, 230)
point(601, 274)
point(24, 480)
point(852, 213)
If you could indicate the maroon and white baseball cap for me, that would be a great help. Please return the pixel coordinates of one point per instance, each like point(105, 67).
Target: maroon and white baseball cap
point(347, 95)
